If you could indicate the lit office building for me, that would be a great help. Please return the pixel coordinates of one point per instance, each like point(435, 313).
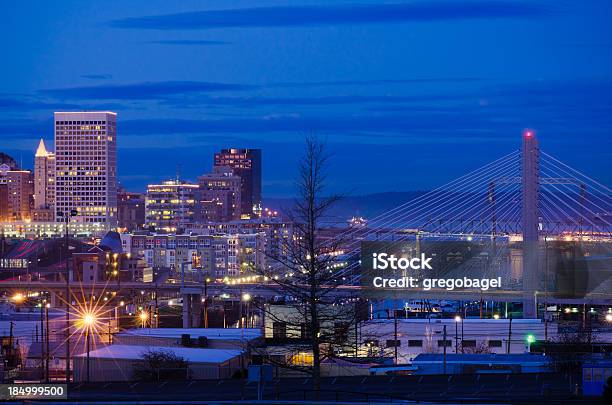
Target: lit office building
point(221, 191)
point(170, 205)
point(246, 163)
point(86, 167)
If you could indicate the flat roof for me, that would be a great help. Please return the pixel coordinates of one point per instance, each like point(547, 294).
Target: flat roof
point(482, 358)
point(434, 321)
point(210, 333)
point(193, 355)
point(85, 112)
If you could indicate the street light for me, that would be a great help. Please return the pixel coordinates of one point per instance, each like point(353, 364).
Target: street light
point(457, 320)
point(143, 318)
point(609, 317)
point(530, 338)
point(18, 298)
point(246, 297)
point(88, 322)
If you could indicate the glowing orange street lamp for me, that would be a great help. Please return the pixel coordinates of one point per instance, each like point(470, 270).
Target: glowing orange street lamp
point(143, 318)
point(18, 298)
point(88, 322)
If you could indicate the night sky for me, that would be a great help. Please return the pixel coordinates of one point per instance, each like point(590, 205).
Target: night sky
point(407, 95)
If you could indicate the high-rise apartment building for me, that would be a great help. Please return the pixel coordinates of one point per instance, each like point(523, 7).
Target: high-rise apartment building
point(86, 166)
point(220, 189)
point(44, 180)
point(170, 205)
point(19, 191)
point(246, 163)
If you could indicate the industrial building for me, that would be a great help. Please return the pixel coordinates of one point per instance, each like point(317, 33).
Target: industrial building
point(118, 362)
point(213, 338)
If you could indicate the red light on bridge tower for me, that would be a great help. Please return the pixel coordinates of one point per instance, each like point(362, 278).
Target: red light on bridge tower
point(528, 133)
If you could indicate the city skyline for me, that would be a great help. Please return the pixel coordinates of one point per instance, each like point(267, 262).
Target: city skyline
point(306, 200)
point(432, 79)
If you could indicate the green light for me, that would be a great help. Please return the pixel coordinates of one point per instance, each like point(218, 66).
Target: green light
point(530, 338)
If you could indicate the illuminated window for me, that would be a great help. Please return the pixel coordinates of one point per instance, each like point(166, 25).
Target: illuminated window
point(302, 359)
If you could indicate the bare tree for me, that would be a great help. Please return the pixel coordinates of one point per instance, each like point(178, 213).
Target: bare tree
point(480, 348)
point(161, 365)
point(319, 317)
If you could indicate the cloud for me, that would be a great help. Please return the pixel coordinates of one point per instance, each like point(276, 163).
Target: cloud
point(142, 91)
point(375, 82)
point(185, 102)
point(25, 128)
point(26, 104)
point(167, 89)
point(283, 16)
point(97, 77)
point(337, 125)
point(188, 42)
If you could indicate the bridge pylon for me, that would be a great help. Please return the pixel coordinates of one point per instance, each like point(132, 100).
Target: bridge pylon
point(530, 173)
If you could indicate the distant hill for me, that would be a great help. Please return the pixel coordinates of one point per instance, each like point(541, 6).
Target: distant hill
point(367, 206)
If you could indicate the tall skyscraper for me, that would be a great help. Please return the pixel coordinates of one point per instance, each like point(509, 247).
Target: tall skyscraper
point(246, 163)
point(86, 166)
point(222, 189)
point(44, 178)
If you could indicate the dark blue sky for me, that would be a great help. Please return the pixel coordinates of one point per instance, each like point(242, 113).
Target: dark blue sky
point(408, 95)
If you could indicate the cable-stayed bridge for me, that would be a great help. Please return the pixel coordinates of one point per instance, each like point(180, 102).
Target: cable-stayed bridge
point(541, 226)
point(546, 227)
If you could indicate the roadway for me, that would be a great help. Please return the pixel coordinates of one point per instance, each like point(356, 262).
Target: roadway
point(261, 290)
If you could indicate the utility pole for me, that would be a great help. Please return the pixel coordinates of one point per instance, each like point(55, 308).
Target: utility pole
point(457, 338)
point(462, 322)
point(356, 337)
point(240, 308)
point(206, 302)
point(395, 331)
point(444, 341)
point(88, 345)
point(545, 292)
point(66, 219)
point(48, 375)
point(11, 335)
point(509, 334)
point(42, 340)
point(156, 314)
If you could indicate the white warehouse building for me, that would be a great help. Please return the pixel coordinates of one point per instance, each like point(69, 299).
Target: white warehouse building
point(417, 336)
